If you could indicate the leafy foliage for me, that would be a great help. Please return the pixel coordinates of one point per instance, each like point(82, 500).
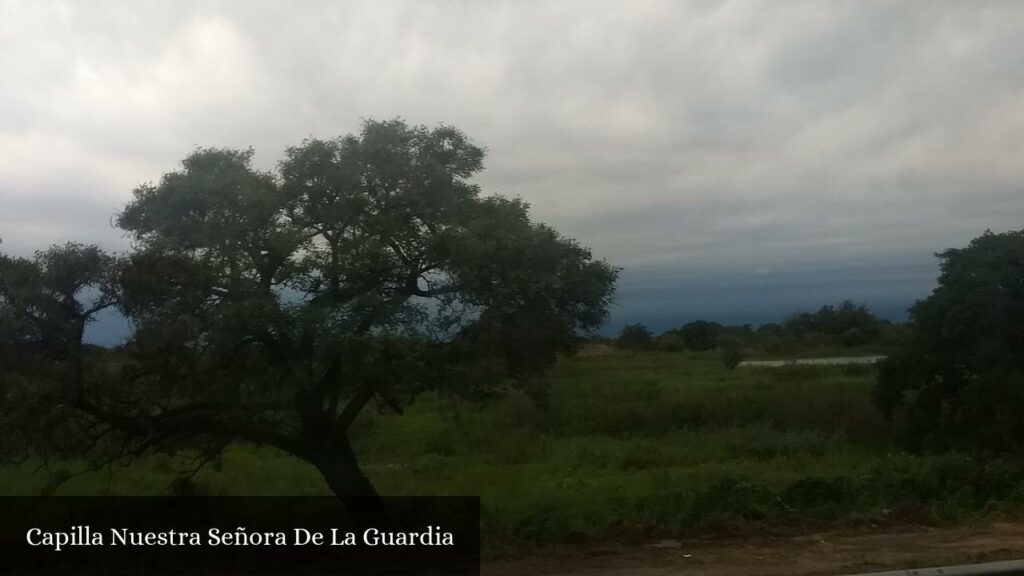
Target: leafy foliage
point(635, 337)
point(961, 378)
point(829, 330)
point(273, 307)
point(45, 304)
point(852, 322)
point(701, 335)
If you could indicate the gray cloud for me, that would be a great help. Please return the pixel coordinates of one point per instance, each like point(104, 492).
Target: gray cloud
point(721, 152)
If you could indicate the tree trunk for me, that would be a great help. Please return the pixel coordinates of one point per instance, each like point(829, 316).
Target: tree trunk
point(341, 471)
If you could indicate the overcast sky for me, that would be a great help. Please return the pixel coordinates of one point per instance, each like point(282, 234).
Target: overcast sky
point(740, 160)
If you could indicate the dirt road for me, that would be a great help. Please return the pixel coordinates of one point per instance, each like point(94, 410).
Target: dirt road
point(825, 553)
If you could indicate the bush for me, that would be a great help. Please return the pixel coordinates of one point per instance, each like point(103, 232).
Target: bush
point(701, 335)
point(635, 337)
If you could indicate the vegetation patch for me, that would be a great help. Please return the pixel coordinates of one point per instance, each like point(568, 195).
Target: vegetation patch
point(628, 446)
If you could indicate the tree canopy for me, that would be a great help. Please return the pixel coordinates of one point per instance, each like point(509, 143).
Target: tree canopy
point(271, 308)
point(700, 335)
point(853, 323)
point(961, 378)
point(635, 337)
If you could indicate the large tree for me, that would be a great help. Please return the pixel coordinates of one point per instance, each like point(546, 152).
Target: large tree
point(272, 308)
point(960, 380)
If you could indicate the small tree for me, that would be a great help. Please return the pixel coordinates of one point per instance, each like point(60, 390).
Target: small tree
point(635, 337)
point(960, 379)
point(273, 308)
point(701, 335)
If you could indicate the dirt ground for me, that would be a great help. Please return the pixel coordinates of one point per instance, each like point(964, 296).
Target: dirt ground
point(839, 552)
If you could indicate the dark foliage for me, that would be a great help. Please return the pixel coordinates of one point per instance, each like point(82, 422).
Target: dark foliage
point(731, 352)
point(635, 337)
point(961, 378)
point(700, 335)
point(846, 325)
point(853, 323)
point(271, 308)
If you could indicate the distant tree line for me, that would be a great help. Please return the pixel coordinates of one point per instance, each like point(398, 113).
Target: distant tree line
point(842, 326)
point(954, 376)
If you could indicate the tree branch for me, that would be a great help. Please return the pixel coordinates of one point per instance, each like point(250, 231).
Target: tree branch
point(412, 285)
point(97, 308)
point(189, 421)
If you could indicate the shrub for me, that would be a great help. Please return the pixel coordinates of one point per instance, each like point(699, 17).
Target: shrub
point(701, 335)
point(635, 337)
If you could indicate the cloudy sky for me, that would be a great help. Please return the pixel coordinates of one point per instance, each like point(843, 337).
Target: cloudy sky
point(741, 160)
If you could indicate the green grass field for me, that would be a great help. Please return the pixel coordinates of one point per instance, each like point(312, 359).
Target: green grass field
point(647, 445)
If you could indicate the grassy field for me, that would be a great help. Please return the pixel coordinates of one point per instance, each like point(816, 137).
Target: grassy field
point(645, 446)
